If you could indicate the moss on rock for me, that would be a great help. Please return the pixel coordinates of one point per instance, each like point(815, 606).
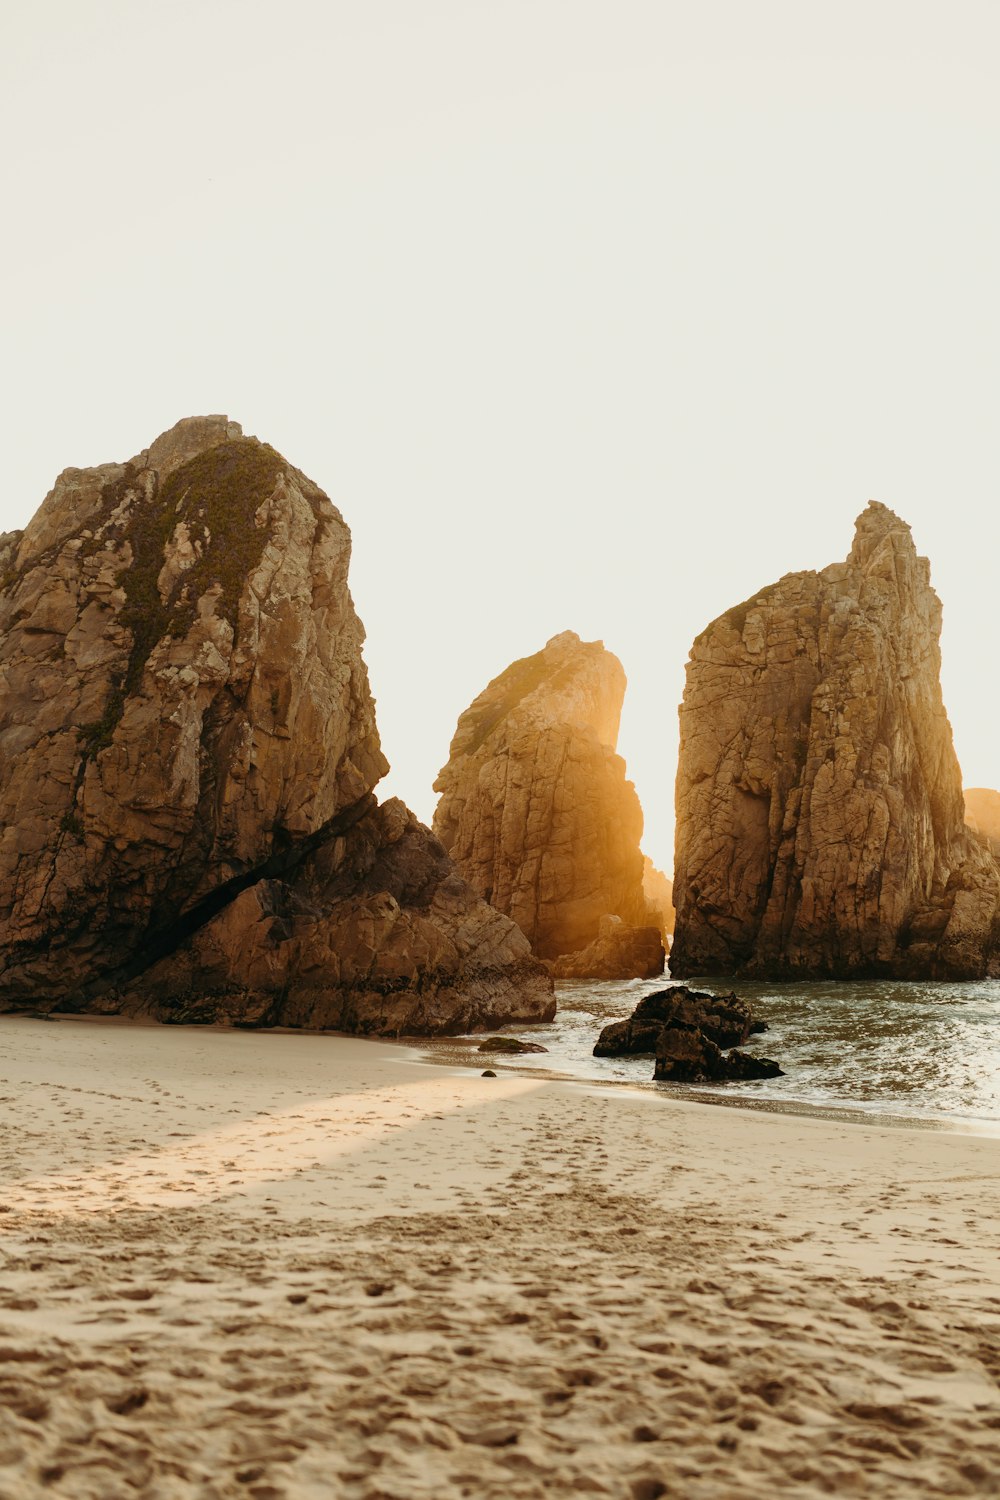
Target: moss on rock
point(217, 495)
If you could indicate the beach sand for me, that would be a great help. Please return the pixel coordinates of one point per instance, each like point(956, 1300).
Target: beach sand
point(273, 1265)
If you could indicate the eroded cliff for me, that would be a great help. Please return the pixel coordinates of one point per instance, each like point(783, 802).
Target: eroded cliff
point(186, 729)
point(820, 819)
point(535, 808)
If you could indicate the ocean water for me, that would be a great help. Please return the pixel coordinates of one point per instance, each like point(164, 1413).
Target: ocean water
point(910, 1052)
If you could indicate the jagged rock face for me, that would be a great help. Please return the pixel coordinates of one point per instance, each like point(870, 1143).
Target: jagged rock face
point(686, 1031)
point(724, 1019)
point(686, 1056)
point(819, 802)
point(982, 814)
point(182, 691)
point(375, 932)
point(184, 707)
point(535, 807)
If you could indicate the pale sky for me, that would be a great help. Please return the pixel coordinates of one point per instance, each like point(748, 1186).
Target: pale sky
point(589, 316)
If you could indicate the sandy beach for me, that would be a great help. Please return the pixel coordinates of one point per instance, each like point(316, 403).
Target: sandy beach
point(275, 1265)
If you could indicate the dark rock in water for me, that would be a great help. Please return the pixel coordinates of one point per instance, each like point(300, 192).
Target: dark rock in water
point(509, 1044)
point(618, 952)
point(488, 1074)
point(724, 1019)
point(188, 753)
point(745, 1065)
point(684, 1055)
point(687, 1032)
point(629, 1038)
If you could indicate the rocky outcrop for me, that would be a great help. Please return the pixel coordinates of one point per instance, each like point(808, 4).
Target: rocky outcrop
point(820, 825)
point(188, 752)
point(535, 807)
point(688, 1033)
point(618, 952)
point(982, 814)
point(686, 1056)
point(372, 932)
point(659, 894)
point(723, 1019)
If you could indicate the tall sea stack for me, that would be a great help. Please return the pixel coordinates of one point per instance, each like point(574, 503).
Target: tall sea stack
point(820, 818)
point(188, 753)
point(536, 809)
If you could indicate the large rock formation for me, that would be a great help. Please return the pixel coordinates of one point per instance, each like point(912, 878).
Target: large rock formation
point(187, 756)
point(819, 801)
point(535, 807)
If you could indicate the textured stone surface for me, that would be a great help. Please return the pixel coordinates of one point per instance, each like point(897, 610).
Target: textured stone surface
point(618, 952)
point(688, 1056)
point(374, 932)
point(184, 717)
point(982, 814)
point(820, 815)
point(687, 1031)
point(535, 807)
point(724, 1019)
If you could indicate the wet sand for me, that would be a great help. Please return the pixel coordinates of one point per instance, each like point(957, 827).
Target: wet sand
point(275, 1266)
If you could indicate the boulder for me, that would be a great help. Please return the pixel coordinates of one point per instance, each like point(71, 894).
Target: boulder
point(618, 952)
point(723, 1019)
point(684, 1055)
point(687, 1032)
point(188, 753)
point(535, 807)
point(820, 817)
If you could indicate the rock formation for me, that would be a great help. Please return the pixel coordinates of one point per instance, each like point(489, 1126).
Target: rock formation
point(617, 952)
point(535, 807)
point(187, 756)
point(725, 1020)
point(659, 894)
point(687, 1032)
point(982, 814)
point(820, 821)
point(684, 1055)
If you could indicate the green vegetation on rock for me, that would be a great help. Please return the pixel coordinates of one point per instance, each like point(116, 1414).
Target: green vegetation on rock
point(217, 495)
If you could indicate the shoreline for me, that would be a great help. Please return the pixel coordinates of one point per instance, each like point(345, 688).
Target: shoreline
point(421, 1051)
point(692, 1094)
